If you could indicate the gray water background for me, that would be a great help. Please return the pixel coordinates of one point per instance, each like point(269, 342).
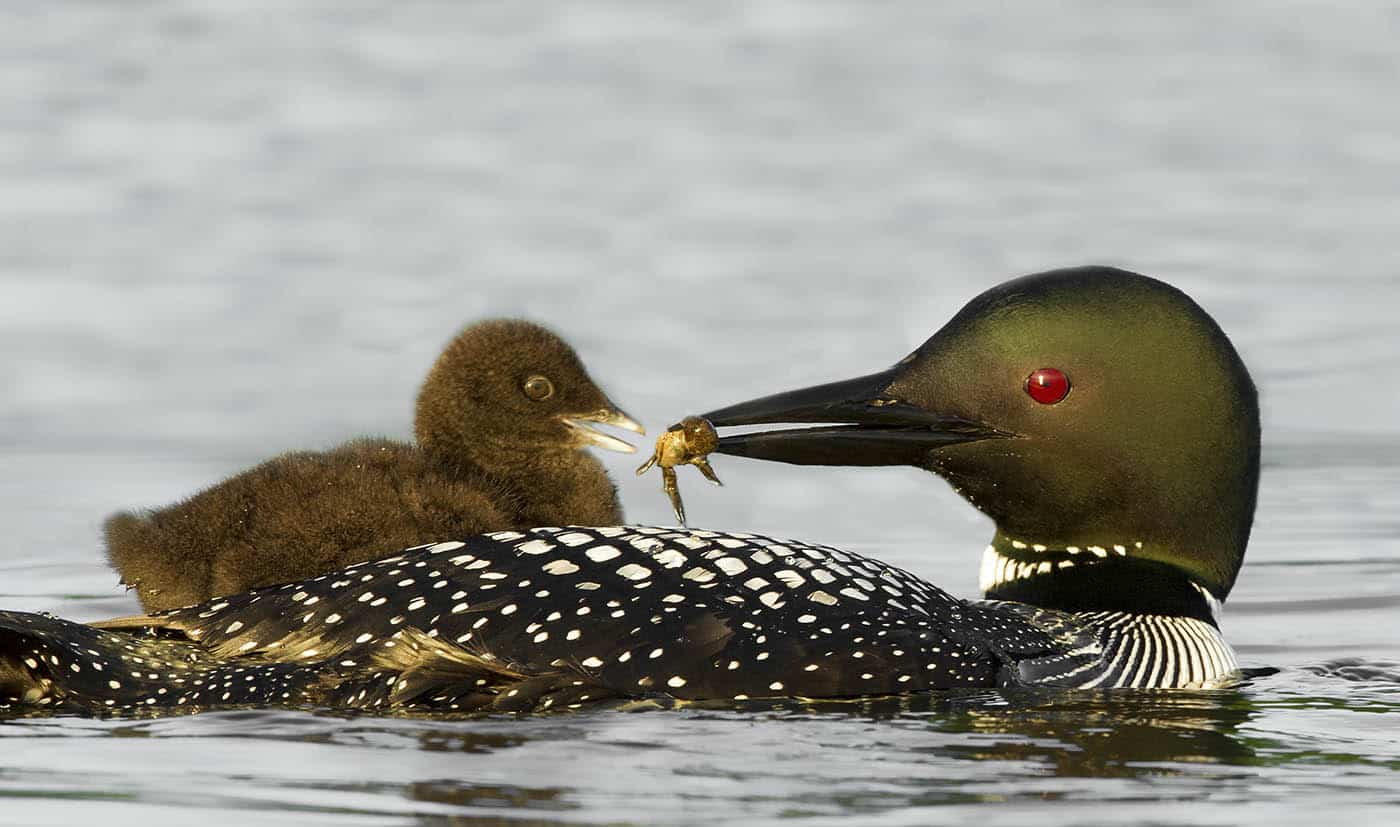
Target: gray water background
point(228, 229)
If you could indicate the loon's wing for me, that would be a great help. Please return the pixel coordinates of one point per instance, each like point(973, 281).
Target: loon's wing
point(690, 613)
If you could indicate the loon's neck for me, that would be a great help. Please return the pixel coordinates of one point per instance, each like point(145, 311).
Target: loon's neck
point(1107, 578)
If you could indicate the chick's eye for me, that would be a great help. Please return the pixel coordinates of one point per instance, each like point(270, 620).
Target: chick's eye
point(538, 387)
point(1047, 385)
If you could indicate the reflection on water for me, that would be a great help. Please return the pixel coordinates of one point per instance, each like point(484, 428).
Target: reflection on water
point(474, 795)
point(1112, 737)
point(468, 741)
point(764, 760)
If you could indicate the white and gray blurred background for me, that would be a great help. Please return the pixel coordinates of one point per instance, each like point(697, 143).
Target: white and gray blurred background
point(228, 229)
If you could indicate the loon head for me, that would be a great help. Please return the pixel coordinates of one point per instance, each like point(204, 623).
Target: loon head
point(1101, 418)
point(507, 388)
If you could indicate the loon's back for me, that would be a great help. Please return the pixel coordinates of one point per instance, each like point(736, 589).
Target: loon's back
point(560, 617)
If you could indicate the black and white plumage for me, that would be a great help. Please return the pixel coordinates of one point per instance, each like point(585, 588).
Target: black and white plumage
point(558, 617)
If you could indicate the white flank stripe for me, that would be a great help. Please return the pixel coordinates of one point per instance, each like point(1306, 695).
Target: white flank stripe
point(1186, 634)
point(1134, 653)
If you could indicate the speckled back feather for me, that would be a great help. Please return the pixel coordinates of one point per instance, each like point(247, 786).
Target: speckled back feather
point(564, 616)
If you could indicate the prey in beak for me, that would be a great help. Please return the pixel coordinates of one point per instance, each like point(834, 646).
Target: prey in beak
point(688, 442)
point(581, 425)
point(858, 421)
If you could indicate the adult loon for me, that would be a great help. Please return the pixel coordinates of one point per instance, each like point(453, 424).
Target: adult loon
point(1100, 417)
point(502, 420)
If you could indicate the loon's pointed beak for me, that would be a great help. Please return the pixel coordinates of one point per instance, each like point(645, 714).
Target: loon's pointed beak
point(863, 424)
point(609, 415)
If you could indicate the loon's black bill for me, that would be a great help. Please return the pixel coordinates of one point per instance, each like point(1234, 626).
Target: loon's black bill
point(863, 425)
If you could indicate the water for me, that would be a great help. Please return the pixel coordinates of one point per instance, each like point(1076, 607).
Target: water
point(229, 229)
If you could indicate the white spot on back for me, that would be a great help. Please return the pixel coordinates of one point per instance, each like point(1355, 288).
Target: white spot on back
point(534, 547)
point(731, 565)
point(602, 554)
point(560, 567)
point(632, 571)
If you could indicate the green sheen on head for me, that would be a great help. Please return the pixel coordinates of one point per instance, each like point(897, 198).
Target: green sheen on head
point(1156, 442)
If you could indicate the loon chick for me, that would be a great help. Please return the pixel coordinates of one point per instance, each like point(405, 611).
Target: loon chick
point(500, 426)
point(1100, 417)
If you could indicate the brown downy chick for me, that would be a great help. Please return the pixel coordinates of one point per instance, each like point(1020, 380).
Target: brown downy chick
point(502, 420)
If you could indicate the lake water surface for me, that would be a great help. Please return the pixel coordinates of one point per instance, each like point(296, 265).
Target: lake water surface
point(229, 229)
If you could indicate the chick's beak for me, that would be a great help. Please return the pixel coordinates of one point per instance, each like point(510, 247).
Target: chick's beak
point(580, 425)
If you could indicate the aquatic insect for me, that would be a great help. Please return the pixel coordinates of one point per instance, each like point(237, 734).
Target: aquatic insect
point(688, 442)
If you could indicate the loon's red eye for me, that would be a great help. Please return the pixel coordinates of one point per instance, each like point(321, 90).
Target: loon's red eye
point(1047, 385)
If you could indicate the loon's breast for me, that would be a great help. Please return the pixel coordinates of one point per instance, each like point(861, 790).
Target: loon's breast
point(564, 616)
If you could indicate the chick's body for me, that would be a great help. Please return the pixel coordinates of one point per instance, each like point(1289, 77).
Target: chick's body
point(500, 439)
